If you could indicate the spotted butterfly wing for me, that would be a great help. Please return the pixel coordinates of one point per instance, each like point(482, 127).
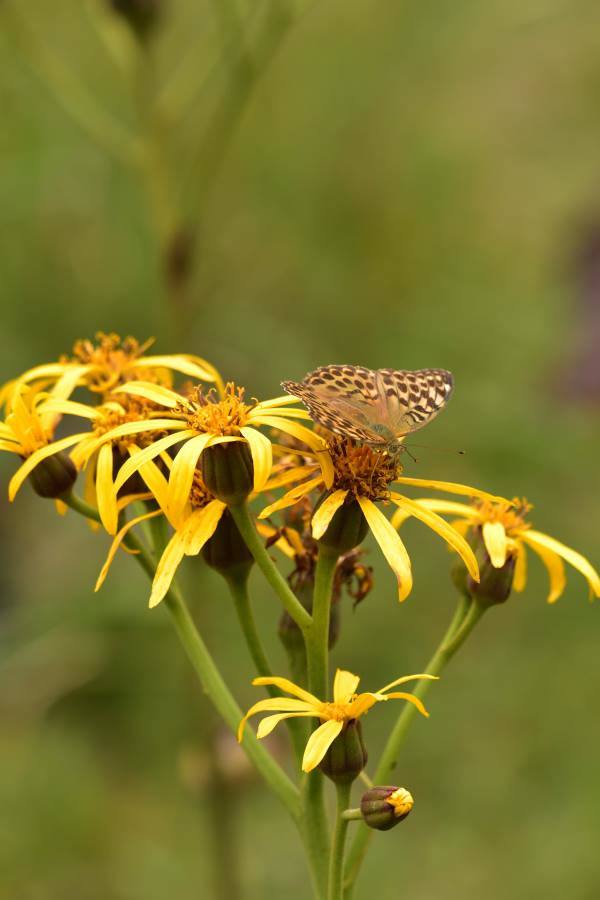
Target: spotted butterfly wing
point(372, 407)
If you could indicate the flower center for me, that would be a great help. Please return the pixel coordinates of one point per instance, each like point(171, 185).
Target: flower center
point(128, 409)
point(511, 515)
point(200, 496)
point(111, 357)
point(209, 414)
point(362, 471)
point(340, 712)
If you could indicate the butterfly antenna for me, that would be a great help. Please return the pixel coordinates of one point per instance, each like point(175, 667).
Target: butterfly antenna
point(437, 449)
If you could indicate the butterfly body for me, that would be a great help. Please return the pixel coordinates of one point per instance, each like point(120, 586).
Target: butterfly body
point(373, 407)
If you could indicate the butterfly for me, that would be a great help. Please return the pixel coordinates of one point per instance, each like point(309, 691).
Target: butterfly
point(373, 407)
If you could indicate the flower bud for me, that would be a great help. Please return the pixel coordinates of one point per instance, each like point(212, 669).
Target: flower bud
point(347, 755)
point(495, 584)
point(54, 476)
point(142, 16)
point(347, 529)
point(228, 472)
point(383, 807)
point(226, 550)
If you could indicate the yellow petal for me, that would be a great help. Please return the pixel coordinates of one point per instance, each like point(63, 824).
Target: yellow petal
point(280, 704)
point(288, 413)
point(154, 392)
point(70, 408)
point(291, 497)
point(494, 538)
point(537, 539)
point(439, 506)
point(288, 476)
point(303, 434)
point(201, 526)
point(344, 686)
point(555, 567)
point(406, 678)
point(262, 455)
point(266, 725)
point(182, 473)
point(400, 695)
point(520, 576)
point(105, 489)
point(391, 546)
point(441, 527)
point(284, 684)
point(325, 513)
point(32, 461)
point(165, 571)
point(148, 453)
point(284, 400)
point(117, 543)
point(187, 364)
point(449, 487)
point(319, 743)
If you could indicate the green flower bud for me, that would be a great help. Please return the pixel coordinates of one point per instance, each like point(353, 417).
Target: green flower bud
point(226, 550)
point(228, 472)
point(347, 529)
point(347, 756)
point(495, 584)
point(54, 476)
point(383, 807)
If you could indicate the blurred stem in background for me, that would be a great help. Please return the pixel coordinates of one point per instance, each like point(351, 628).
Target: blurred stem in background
point(465, 617)
point(176, 194)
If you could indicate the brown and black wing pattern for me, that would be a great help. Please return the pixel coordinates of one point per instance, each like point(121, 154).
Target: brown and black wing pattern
point(414, 398)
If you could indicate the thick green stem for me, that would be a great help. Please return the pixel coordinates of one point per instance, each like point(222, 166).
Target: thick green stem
point(243, 520)
point(239, 591)
point(210, 677)
point(317, 636)
point(447, 648)
point(317, 652)
point(336, 864)
point(353, 815)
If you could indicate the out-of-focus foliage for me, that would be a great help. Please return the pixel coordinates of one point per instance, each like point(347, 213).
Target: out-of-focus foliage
point(405, 188)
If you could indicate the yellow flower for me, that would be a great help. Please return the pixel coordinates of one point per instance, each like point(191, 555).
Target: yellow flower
point(200, 522)
point(364, 475)
point(347, 705)
point(108, 361)
point(203, 420)
point(28, 431)
point(505, 532)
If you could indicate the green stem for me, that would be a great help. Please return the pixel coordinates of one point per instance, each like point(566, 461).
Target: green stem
point(317, 652)
point(353, 815)
point(239, 591)
point(210, 677)
point(336, 865)
point(67, 88)
point(243, 520)
point(317, 636)
point(445, 651)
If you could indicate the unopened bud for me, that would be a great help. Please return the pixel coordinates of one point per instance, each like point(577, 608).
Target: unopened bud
point(347, 529)
point(495, 584)
point(226, 550)
point(347, 756)
point(54, 476)
point(383, 807)
point(228, 471)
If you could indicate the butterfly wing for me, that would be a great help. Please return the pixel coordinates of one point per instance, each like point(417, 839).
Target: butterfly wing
point(343, 399)
point(413, 398)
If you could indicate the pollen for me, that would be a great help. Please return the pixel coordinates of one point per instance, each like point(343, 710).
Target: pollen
point(223, 417)
point(128, 409)
point(338, 712)
point(511, 514)
point(111, 357)
point(362, 471)
point(200, 496)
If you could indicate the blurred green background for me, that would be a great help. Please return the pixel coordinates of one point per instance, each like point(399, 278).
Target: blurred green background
point(397, 185)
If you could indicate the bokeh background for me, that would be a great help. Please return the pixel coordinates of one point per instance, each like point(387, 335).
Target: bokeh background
point(389, 184)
